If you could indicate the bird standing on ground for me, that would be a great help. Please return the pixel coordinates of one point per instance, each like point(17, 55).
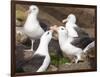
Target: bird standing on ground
point(69, 46)
point(32, 27)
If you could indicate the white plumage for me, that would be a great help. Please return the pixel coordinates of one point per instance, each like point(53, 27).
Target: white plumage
point(70, 23)
point(32, 26)
point(41, 58)
point(72, 39)
point(66, 45)
point(43, 50)
point(78, 41)
point(75, 31)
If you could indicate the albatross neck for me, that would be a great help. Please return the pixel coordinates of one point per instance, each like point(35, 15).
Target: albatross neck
point(43, 47)
point(62, 38)
point(70, 24)
point(32, 17)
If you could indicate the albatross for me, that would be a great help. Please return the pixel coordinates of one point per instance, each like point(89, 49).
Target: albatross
point(73, 29)
point(73, 46)
point(33, 28)
point(41, 58)
point(76, 32)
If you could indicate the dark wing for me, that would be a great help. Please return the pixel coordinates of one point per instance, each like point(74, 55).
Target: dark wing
point(54, 46)
point(80, 32)
point(33, 64)
point(44, 26)
point(81, 42)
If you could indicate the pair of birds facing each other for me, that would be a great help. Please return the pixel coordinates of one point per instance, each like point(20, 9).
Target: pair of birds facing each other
point(72, 39)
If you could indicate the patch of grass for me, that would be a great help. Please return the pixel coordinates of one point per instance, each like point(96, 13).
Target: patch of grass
point(63, 61)
point(55, 60)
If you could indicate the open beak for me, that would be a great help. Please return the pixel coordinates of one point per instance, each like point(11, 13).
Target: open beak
point(64, 21)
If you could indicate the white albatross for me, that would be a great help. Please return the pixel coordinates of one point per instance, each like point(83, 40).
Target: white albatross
point(72, 46)
point(41, 58)
point(77, 33)
point(32, 27)
point(70, 23)
point(73, 29)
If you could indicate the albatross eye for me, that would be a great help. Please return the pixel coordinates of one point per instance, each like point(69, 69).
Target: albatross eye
point(62, 28)
point(34, 8)
point(47, 33)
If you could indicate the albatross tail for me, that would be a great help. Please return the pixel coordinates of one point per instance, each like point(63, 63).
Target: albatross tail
point(89, 46)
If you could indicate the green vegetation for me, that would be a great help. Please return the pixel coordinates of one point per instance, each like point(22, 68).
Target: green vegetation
point(55, 60)
point(63, 61)
point(20, 15)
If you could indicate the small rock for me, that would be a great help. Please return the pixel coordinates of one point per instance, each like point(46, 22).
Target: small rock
point(20, 36)
point(52, 68)
point(28, 68)
point(28, 55)
point(18, 23)
point(75, 66)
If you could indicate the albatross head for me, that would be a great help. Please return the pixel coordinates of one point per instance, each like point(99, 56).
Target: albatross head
point(62, 30)
point(33, 9)
point(47, 36)
point(71, 18)
point(62, 35)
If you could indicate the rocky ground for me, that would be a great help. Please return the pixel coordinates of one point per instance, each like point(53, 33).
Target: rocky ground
point(50, 16)
point(56, 64)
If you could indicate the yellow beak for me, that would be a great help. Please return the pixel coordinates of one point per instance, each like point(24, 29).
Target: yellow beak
point(64, 20)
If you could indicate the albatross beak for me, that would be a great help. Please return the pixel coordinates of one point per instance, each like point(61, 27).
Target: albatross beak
point(51, 30)
point(64, 21)
point(54, 28)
